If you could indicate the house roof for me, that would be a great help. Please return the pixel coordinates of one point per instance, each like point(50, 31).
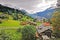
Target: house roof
point(46, 24)
point(42, 28)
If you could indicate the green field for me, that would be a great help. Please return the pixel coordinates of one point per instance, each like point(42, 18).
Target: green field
point(10, 23)
point(10, 27)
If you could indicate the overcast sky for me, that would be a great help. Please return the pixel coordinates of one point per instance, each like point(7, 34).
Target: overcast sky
point(31, 6)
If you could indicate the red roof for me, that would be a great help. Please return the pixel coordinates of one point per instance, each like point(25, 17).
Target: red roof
point(46, 24)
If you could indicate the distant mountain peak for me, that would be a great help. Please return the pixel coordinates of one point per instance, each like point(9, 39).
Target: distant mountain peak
point(46, 14)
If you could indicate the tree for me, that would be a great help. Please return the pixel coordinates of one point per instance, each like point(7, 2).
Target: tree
point(56, 22)
point(15, 15)
point(44, 20)
point(0, 20)
point(35, 20)
point(28, 33)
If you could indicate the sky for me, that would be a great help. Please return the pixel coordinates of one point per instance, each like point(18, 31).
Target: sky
point(31, 6)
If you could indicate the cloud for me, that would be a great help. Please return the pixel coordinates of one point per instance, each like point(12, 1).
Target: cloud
point(31, 6)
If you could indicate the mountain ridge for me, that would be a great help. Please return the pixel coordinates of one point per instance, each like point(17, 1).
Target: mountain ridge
point(46, 14)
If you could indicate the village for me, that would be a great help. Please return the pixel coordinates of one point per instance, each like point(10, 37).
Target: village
point(19, 24)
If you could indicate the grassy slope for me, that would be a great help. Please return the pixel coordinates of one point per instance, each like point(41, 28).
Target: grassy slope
point(11, 32)
point(10, 23)
point(13, 23)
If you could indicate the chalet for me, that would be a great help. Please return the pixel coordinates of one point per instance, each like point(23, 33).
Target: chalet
point(28, 22)
point(46, 24)
point(31, 23)
point(45, 29)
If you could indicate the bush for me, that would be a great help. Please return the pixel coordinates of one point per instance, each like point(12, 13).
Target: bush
point(4, 36)
point(0, 20)
point(28, 33)
point(55, 22)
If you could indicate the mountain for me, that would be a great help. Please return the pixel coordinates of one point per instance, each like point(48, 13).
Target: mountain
point(13, 14)
point(45, 14)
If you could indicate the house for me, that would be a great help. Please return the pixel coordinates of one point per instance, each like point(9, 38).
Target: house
point(45, 28)
point(46, 24)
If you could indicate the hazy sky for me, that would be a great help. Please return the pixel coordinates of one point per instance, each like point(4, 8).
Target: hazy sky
point(31, 6)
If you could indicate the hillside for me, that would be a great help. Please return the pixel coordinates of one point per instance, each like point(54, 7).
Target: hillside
point(11, 17)
point(12, 21)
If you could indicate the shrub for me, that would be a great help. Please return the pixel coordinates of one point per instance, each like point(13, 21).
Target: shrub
point(0, 20)
point(28, 33)
point(55, 23)
point(4, 36)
